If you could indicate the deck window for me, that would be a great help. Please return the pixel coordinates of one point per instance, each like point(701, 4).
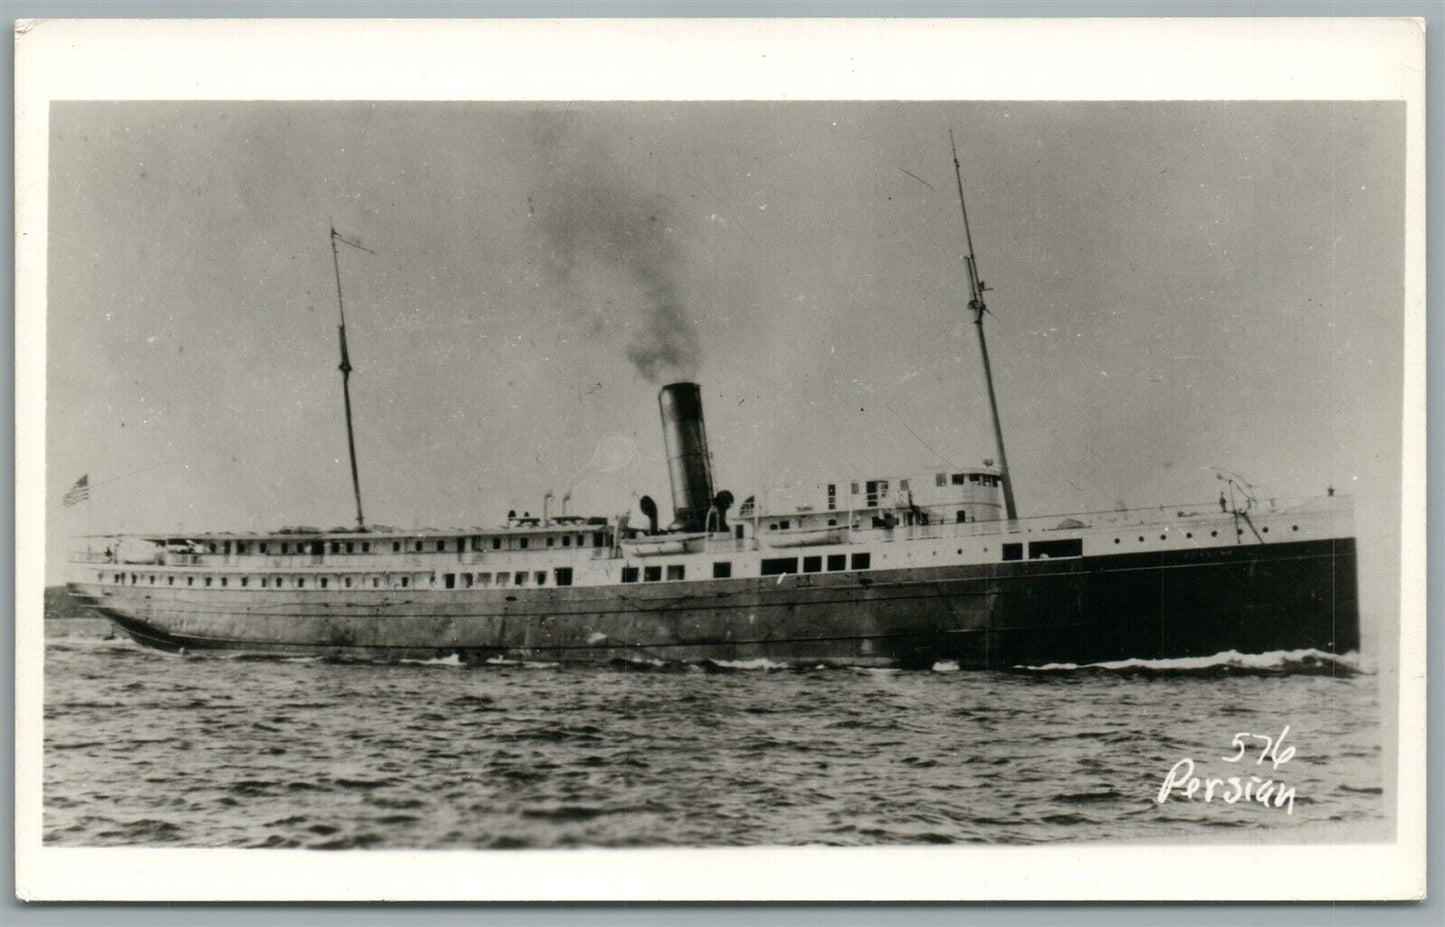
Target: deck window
point(519, 578)
point(675, 571)
point(441, 545)
point(551, 541)
point(563, 575)
point(223, 580)
point(450, 580)
point(1013, 552)
point(466, 580)
point(324, 582)
point(376, 582)
point(245, 581)
point(541, 577)
point(652, 574)
point(263, 546)
point(366, 547)
point(832, 496)
point(629, 574)
point(405, 581)
point(190, 580)
point(170, 580)
point(942, 479)
point(484, 579)
point(1073, 547)
point(599, 539)
point(566, 540)
point(496, 543)
point(522, 543)
point(300, 582)
point(777, 566)
point(351, 547)
point(208, 580)
point(837, 562)
point(346, 582)
point(862, 561)
point(903, 485)
point(722, 570)
point(784, 524)
point(961, 516)
point(812, 564)
point(960, 479)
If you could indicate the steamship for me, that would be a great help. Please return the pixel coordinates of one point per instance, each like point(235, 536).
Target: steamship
point(902, 570)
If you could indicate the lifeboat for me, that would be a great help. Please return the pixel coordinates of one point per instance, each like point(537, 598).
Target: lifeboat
point(652, 545)
point(805, 537)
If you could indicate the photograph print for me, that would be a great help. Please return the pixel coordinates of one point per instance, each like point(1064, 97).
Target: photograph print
point(543, 474)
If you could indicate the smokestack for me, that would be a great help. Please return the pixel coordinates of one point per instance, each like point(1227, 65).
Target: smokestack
point(689, 466)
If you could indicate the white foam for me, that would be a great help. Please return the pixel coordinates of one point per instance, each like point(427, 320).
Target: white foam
point(946, 666)
point(1274, 659)
point(759, 663)
point(453, 660)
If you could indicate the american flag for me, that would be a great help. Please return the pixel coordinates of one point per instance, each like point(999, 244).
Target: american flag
point(80, 492)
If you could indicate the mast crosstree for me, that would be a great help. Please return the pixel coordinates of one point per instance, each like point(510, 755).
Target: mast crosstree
point(976, 304)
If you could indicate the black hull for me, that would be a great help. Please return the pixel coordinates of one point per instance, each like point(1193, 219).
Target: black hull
point(1251, 598)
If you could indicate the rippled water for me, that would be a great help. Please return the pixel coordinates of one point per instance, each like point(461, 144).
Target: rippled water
point(147, 748)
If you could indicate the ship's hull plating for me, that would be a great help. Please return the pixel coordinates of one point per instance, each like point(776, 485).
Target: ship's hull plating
point(1250, 598)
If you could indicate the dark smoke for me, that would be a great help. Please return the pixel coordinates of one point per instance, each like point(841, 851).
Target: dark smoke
point(665, 349)
point(597, 221)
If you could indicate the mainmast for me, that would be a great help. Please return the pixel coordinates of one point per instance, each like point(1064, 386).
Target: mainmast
point(345, 369)
point(976, 303)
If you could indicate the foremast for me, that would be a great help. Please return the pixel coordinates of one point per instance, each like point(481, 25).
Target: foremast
point(976, 305)
point(345, 369)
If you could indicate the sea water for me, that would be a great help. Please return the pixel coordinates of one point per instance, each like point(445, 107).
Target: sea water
point(143, 748)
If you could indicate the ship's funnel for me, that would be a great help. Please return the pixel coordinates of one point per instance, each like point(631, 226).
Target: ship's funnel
point(689, 466)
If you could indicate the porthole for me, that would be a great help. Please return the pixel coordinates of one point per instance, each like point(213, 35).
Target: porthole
point(1141, 539)
point(1266, 529)
point(1294, 527)
point(1238, 530)
point(1116, 540)
point(1189, 534)
point(1214, 534)
point(1161, 537)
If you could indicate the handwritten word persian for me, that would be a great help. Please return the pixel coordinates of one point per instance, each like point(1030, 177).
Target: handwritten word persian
point(1181, 778)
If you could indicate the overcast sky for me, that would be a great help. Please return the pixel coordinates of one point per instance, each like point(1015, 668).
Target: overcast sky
point(1175, 286)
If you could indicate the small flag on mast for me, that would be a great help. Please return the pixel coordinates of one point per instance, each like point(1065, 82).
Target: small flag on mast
point(80, 492)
